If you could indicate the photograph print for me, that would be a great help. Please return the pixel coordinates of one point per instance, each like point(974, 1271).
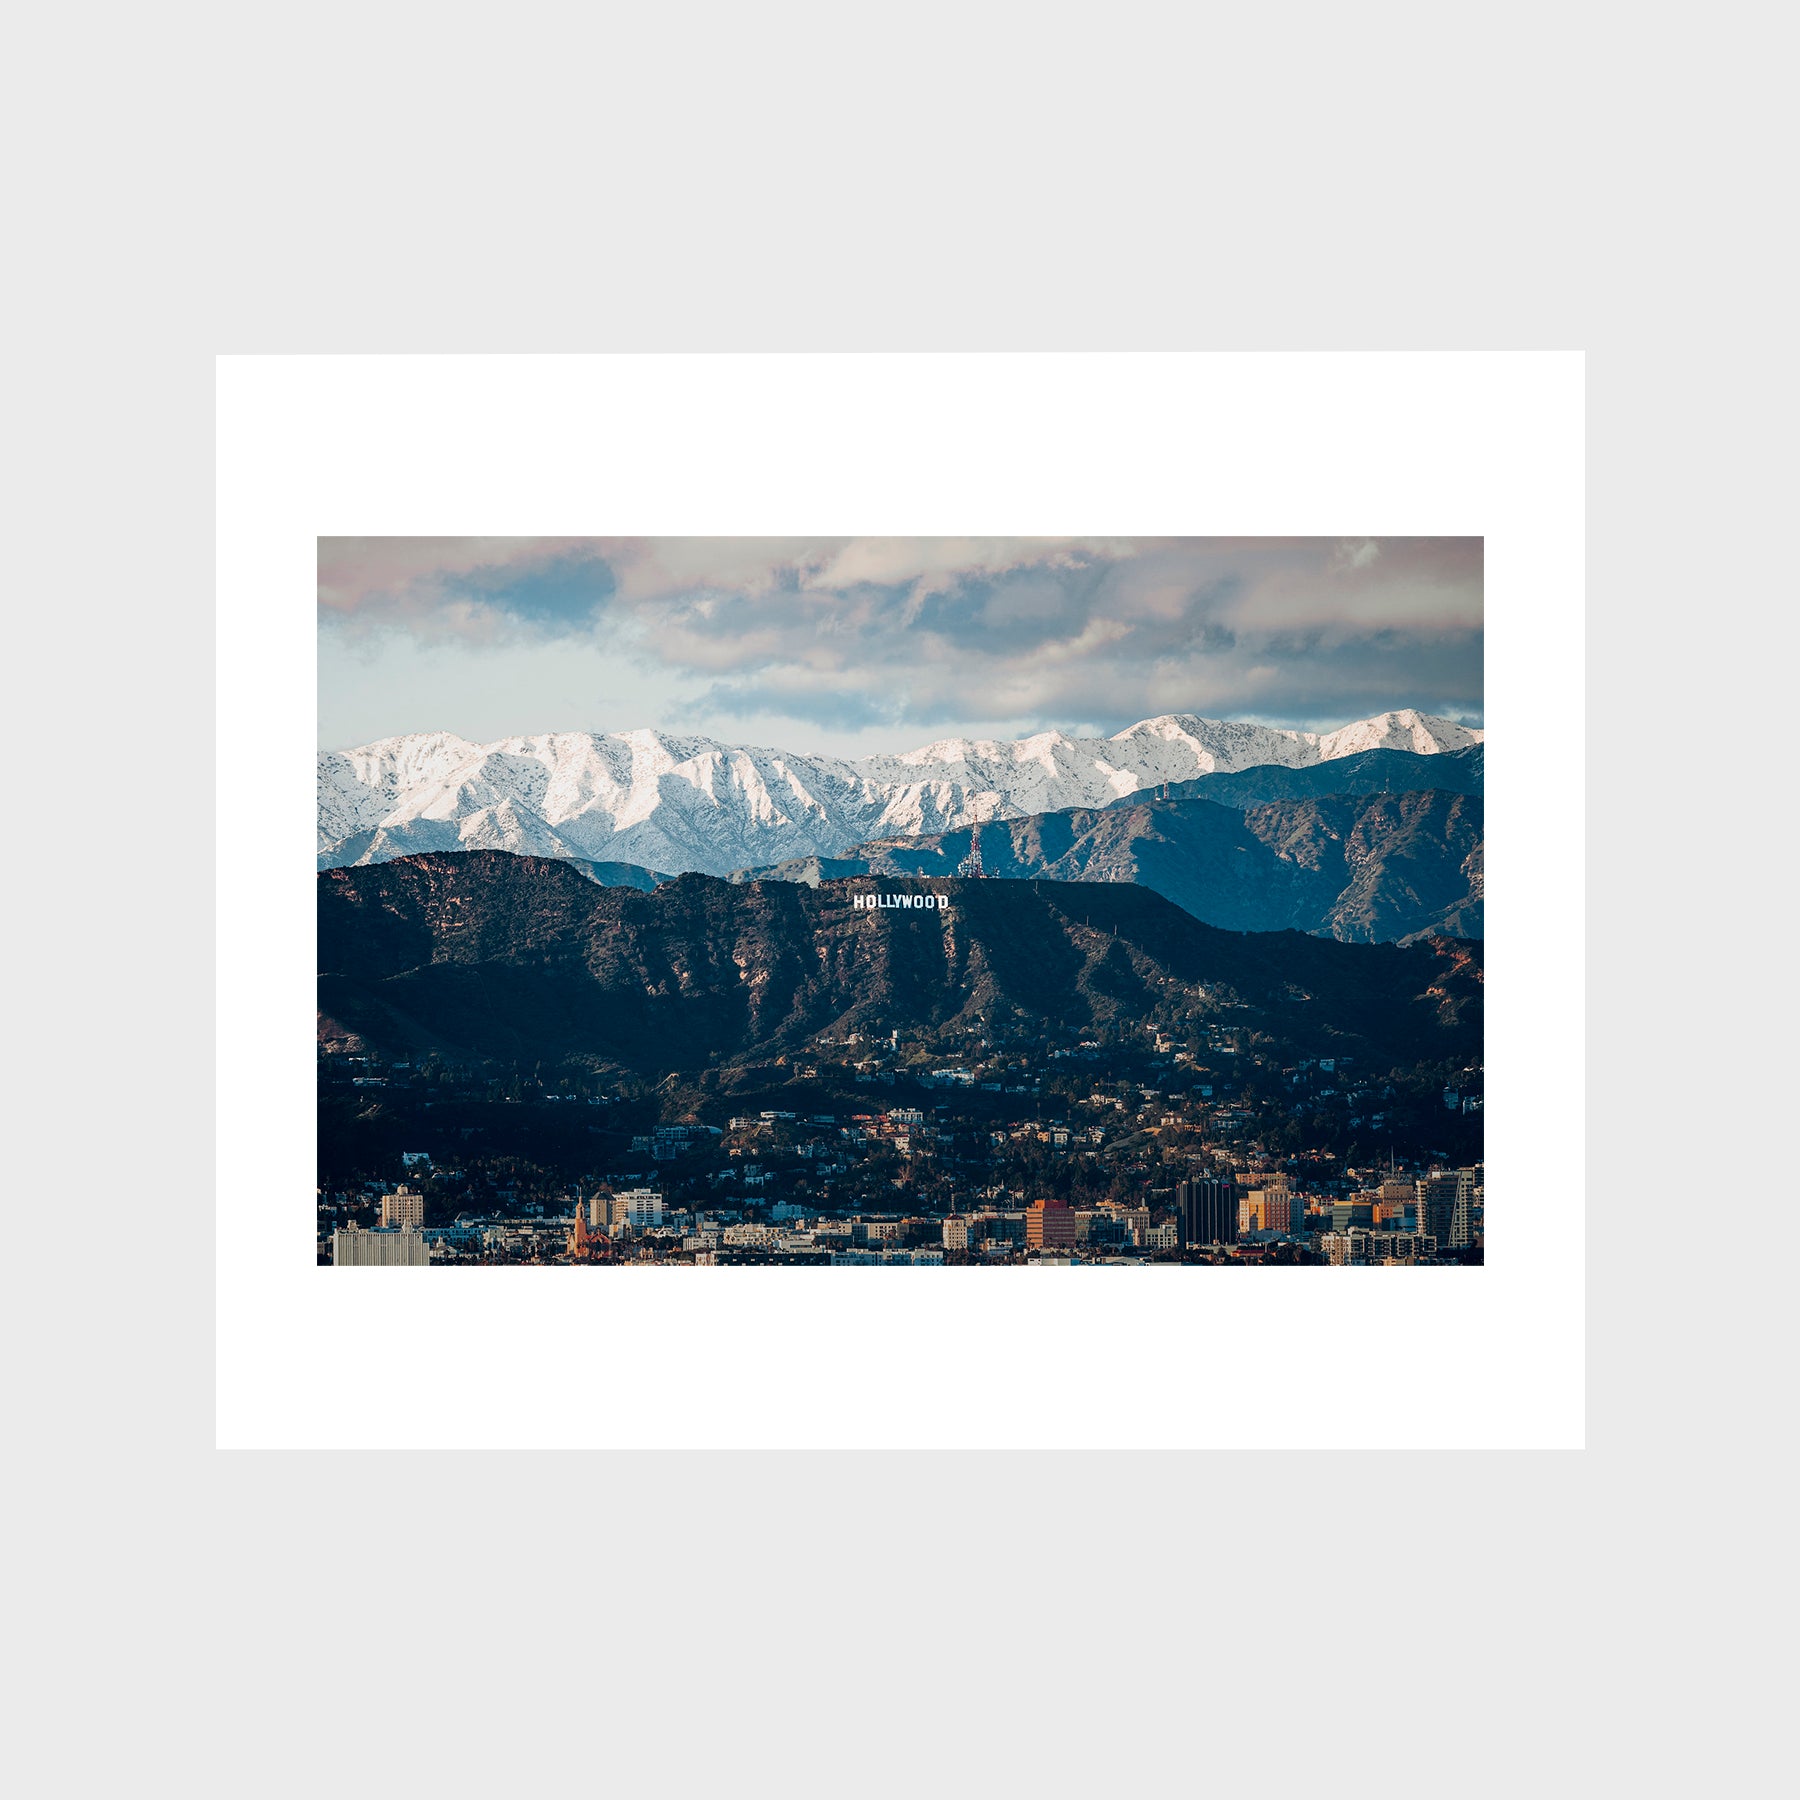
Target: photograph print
point(923, 901)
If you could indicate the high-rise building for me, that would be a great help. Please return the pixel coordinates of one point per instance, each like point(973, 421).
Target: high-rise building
point(1462, 1209)
point(633, 1209)
point(404, 1206)
point(1283, 1210)
point(402, 1248)
point(1049, 1224)
point(1208, 1211)
point(1349, 1211)
point(1275, 1208)
point(1436, 1203)
point(643, 1206)
point(956, 1234)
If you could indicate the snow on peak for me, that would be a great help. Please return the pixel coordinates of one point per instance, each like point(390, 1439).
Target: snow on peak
point(677, 803)
point(1405, 730)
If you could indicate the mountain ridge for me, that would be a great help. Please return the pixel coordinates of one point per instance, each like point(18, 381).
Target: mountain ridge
point(667, 802)
point(1370, 868)
point(1365, 772)
point(508, 956)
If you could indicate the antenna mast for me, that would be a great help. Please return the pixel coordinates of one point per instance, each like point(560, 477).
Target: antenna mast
point(971, 865)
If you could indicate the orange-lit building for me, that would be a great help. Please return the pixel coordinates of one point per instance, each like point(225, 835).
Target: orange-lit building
point(1393, 1201)
point(1049, 1225)
point(582, 1242)
point(1272, 1208)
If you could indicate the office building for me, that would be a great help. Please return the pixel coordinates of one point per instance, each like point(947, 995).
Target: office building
point(1208, 1211)
point(1462, 1209)
point(1394, 1202)
point(1283, 1210)
point(1049, 1225)
point(402, 1248)
point(1435, 1202)
point(1274, 1208)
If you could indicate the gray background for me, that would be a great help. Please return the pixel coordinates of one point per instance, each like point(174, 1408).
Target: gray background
point(193, 182)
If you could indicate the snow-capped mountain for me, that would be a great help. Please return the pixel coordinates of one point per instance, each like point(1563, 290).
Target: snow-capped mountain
point(680, 803)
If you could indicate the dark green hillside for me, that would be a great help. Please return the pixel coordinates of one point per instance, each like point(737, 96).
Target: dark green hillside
point(521, 958)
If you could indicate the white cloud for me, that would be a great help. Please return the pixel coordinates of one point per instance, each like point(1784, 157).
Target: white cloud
point(1355, 553)
point(935, 631)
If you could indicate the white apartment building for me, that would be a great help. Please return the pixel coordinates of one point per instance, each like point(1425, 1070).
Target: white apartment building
point(403, 1207)
point(643, 1206)
point(1360, 1245)
point(752, 1237)
point(887, 1258)
point(403, 1248)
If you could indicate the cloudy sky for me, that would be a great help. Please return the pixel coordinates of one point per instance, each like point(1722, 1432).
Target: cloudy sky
point(852, 645)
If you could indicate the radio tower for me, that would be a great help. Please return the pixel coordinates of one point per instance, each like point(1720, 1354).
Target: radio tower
point(971, 864)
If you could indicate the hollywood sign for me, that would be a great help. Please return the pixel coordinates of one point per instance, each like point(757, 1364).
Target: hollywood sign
point(874, 902)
